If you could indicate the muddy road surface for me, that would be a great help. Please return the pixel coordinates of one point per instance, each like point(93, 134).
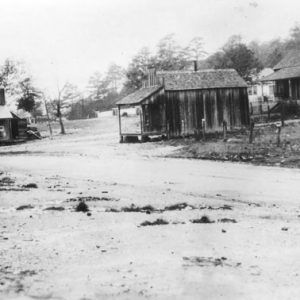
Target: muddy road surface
point(154, 227)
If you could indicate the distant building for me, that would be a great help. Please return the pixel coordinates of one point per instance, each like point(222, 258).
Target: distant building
point(260, 91)
point(181, 103)
point(22, 114)
point(12, 128)
point(286, 77)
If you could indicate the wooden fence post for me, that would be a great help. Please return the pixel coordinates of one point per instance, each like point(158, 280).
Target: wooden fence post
point(278, 134)
point(203, 129)
point(282, 113)
point(224, 130)
point(251, 131)
point(197, 134)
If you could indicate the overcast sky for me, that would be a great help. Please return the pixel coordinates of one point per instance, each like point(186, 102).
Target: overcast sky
point(70, 39)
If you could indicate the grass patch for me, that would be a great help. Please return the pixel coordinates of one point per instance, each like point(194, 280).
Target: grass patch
point(23, 207)
point(55, 208)
point(227, 220)
point(156, 222)
point(82, 207)
point(179, 206)
point(203, 220)
point(30, 186)
point(91, 198)
point(134, 208)
point(5, 181)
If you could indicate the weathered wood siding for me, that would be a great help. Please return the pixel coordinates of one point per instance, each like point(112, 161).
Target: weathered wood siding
point(154, 114)
point(186, 109)
point(295, 87)
point(283, 88)
point(180, 113)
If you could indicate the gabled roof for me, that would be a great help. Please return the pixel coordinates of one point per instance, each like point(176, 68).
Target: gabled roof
point(139, 96)
point(284, 73)
point(288, 67)
point(5, 113)
point(188, 80)
point(292, 59)
point(202, 79)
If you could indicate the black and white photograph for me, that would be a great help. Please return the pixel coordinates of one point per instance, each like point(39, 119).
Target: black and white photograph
point(149, 150)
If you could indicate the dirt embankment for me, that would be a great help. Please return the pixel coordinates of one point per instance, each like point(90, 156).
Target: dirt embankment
point(265, 148)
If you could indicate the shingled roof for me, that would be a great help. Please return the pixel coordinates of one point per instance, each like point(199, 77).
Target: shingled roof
point(292, 59)
point(284, 73)
point(288, 67)
point(202, 79)
point(188, 80)
point(140, 95)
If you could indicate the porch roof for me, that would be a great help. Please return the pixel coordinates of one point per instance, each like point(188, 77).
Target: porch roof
point(291, 59)
point(285, 73)
point(139, 96)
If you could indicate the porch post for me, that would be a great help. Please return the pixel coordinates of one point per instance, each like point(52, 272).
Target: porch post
point(141, 119)
point(282, 112)
point(290, 89)
point(120, 128)
point(10, 129)
point(141, 123)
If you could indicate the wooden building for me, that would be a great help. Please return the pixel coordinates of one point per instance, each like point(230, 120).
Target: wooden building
point(12, 128)
point(286, 77)
point(180, 103)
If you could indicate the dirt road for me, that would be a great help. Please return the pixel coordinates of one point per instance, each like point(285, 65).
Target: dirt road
point(249, 251)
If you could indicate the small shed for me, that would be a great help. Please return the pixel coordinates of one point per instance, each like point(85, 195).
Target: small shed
point(12, 128)
point(180, 103)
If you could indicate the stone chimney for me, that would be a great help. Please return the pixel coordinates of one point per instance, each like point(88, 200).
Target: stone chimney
point(2, 97)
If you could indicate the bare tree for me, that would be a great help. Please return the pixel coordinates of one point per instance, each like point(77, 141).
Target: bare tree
point(195, 49)
point(63, 100)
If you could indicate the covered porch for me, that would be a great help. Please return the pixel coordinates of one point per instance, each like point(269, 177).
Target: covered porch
point(149, 118)
point(288, 90)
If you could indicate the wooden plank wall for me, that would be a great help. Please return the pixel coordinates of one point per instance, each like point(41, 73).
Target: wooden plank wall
point(282, 88)
point(22, 127)
point(186, 109)
point(295, 88)
point(154, 114)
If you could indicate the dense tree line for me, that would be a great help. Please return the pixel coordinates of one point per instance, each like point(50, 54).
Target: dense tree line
point(21, 93)
point(105, 89)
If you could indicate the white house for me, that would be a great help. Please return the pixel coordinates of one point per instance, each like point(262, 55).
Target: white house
point(261, 91)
